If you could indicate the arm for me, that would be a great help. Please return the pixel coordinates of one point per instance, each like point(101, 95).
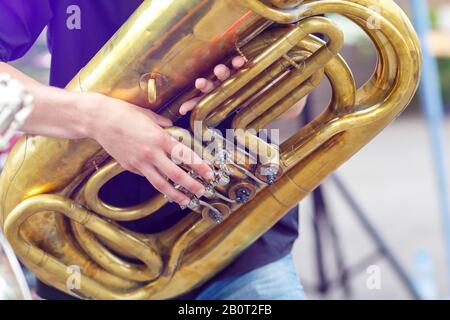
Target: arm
point(131, 135)
point(50, 118)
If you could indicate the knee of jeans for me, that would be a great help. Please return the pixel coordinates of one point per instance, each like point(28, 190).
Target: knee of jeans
point(277, 280)
point(269, 289)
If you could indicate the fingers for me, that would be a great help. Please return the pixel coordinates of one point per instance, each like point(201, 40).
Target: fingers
point(158, 119)
point(204, 85)
point(222, 72)
point(180, 153)
point(189, 105)
point(179, 176)
point(163, 186)
point(238, 62)
point(162, 121)
point(202, 169)
point(133, 170)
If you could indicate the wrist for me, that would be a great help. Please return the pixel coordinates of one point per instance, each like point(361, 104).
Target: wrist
point(90, 108)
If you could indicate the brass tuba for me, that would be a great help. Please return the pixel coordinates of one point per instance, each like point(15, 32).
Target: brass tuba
point(51, 211)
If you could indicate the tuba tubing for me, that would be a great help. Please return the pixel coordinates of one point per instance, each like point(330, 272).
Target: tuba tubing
point(50, 209)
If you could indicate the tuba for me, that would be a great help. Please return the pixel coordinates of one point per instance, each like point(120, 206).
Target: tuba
point(61, 229)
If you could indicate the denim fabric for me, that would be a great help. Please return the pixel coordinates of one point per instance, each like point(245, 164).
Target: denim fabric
point(275, 281)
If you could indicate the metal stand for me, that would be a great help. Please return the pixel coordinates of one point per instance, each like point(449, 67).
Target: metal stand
point(433, 108)
point(16, 272)
point(325, 232)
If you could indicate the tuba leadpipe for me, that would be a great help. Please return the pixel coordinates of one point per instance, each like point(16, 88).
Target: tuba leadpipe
point(51, 211)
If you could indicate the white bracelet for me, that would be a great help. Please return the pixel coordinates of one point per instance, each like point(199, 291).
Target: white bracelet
point(15, 107)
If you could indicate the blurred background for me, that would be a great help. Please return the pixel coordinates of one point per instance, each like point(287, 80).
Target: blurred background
point(395, 248)
point(394, 182)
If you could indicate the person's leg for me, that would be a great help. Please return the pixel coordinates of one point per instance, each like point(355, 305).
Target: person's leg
point(275, 281)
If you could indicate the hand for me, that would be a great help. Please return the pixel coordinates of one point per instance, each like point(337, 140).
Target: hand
point(136, 139)
point(222, 73)
point(205, 86)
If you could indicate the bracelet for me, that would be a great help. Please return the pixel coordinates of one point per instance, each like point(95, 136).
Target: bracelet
point(15, 107)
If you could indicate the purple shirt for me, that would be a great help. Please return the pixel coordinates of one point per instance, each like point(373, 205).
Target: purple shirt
point(21, 22)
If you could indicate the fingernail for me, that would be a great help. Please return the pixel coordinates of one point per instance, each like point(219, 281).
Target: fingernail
point(201, 193)
point(200, 83)
point(185, 202)
point(221, 68)
point(210, 175)
point(182, 107)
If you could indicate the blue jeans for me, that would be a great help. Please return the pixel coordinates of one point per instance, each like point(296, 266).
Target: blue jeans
point(275, 281)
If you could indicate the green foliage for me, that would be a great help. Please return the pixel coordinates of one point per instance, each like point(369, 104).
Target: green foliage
point(444, 71)
point(433, 18)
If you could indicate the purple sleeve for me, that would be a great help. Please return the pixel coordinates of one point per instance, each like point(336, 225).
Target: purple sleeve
point(21, 22)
